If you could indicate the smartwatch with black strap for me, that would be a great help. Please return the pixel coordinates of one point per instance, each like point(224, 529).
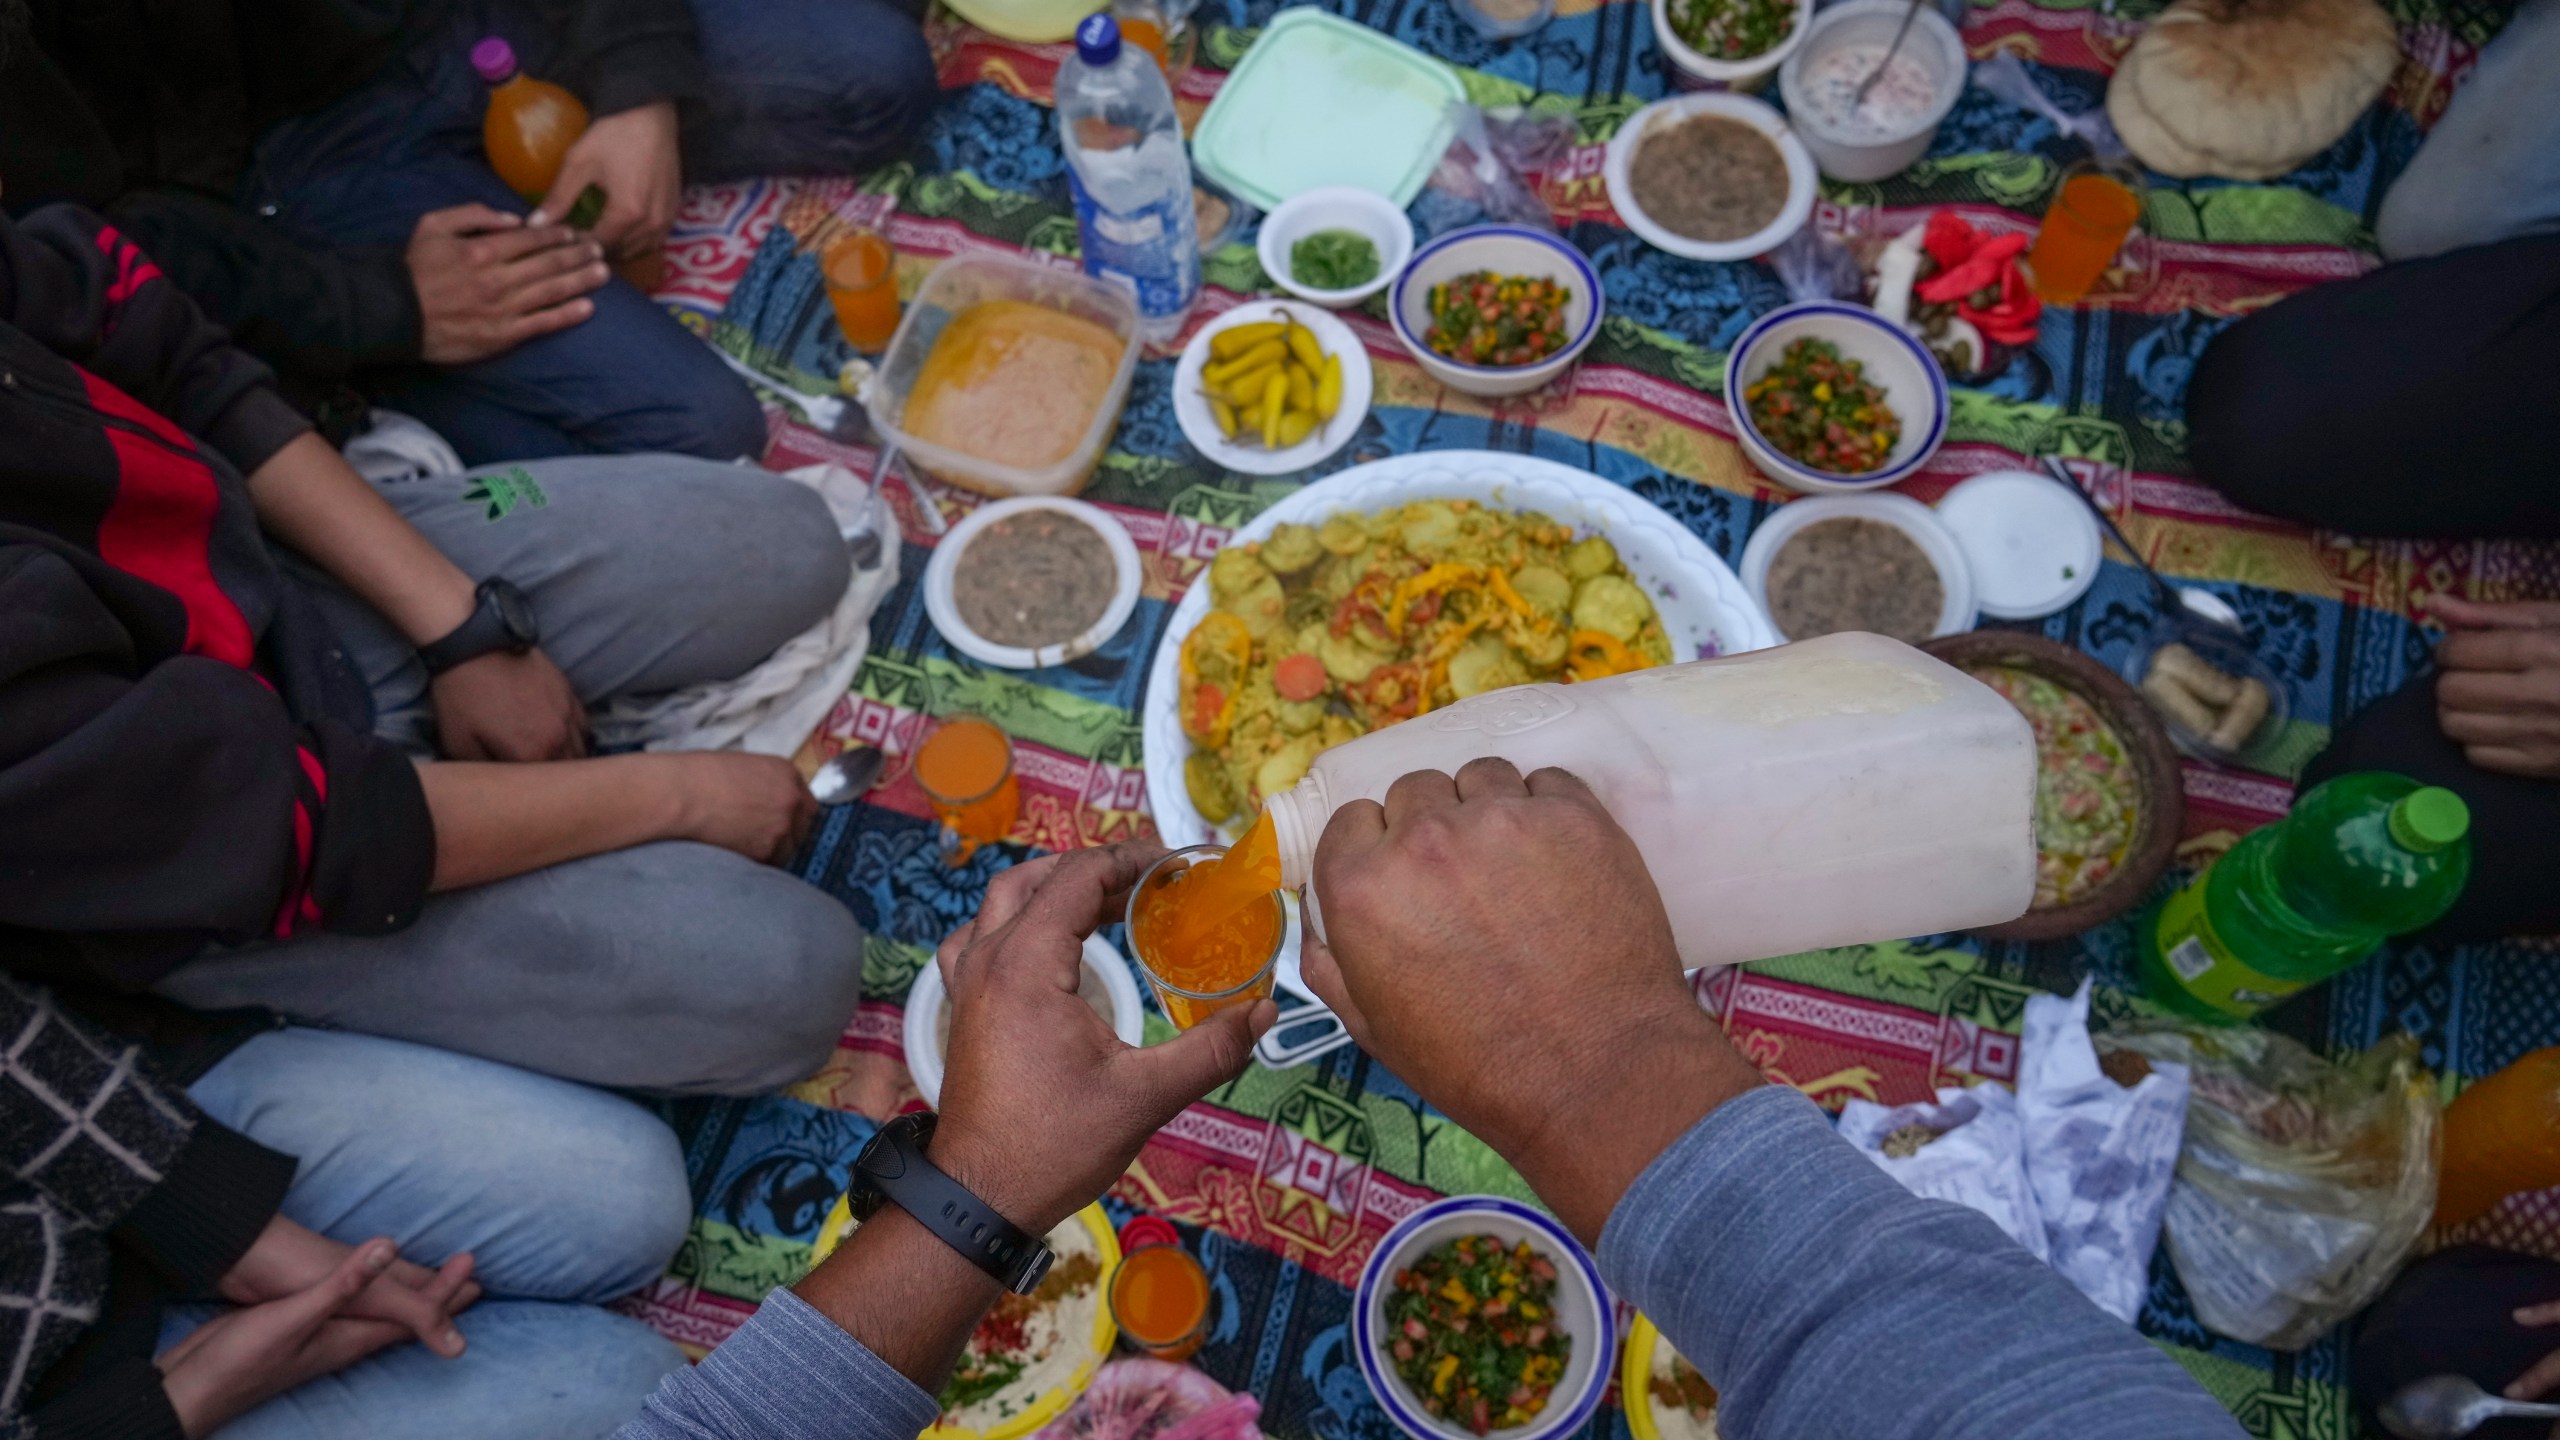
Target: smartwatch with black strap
point(892, 1170)
point(501, 619)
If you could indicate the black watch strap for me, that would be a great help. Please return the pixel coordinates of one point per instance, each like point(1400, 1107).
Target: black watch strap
point(501, 619)
point(892, 1170)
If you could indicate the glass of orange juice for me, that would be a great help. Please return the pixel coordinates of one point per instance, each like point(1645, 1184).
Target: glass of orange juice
point(1160, 1300)
point(2093, 209)
point(965, 768)
point(1203, 950)
point(861, 269)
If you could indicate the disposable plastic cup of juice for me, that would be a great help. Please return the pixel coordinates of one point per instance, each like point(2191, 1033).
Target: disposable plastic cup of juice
point(965, 768)
point(861, 269)
point(2093, 209)
point(1200, 969)
point(1160, 1300)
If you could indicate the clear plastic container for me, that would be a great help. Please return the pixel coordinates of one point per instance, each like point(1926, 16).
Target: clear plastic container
point(1832, 792)
point(968, 280)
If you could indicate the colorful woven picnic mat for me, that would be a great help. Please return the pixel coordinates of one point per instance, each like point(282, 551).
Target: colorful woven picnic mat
point(1286, 1178)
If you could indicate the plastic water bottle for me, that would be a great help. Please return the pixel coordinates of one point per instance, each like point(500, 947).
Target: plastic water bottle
point(2362, 858)
point(1130, 174)
point(1832, 792)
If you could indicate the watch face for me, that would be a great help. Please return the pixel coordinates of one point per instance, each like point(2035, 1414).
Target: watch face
point(516, 613)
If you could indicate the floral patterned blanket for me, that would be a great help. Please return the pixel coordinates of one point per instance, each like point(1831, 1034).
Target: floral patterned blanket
point(1286, 1178)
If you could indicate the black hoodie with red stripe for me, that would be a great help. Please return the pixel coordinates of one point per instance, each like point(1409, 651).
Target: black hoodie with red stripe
point(184, 757)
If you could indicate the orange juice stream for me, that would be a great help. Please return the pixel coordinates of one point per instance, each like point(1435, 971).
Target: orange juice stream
point(1160, 1295)
point(1213, 927)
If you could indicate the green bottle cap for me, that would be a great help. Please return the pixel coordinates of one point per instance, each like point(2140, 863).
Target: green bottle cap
point(2429, 819)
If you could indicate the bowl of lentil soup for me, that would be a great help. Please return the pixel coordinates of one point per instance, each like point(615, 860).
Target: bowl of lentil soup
point(1496, 310)
point(2110, 800)
point(1510, 1372)
point(1876, 397)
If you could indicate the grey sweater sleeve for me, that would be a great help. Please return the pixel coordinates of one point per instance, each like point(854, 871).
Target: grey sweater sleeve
point(1816, 1294)
point(788, 1374)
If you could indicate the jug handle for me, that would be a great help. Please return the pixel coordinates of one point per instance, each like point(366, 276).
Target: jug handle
point(1302, 1033)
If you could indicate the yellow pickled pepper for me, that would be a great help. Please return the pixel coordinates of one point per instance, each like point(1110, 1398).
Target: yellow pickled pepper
point(1275, 399)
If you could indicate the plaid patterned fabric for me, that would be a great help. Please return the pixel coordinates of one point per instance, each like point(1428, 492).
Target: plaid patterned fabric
point(85, 1133)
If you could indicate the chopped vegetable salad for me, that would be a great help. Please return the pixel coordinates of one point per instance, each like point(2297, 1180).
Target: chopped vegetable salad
point(1472, 1330)
point(1823, 410)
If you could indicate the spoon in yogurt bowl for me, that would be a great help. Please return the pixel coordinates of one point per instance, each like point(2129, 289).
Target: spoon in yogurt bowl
point(1900, 33)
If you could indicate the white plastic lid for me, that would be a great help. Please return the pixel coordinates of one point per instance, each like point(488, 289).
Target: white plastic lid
point(2032, 547)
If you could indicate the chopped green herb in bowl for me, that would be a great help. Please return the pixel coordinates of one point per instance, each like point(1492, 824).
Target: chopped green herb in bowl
point(1731, 29)
point(1475, 1334)
point(1334, 260)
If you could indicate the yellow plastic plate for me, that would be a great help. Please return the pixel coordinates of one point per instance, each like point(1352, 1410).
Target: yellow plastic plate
point(1034, 22)
point(1635, 1379)
point(1045, 1406)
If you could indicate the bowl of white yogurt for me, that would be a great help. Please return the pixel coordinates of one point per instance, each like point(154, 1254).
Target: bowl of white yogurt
point(1868, 140)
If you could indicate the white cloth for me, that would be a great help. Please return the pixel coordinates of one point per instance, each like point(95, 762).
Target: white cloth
point(773, 709)
point(400, 447)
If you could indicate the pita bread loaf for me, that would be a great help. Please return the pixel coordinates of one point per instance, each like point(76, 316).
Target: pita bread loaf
point(2249, 89)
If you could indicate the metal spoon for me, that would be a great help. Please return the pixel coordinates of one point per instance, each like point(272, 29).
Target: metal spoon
point(2442, 1407)
point(2194, 599)
point(1889, 52)
point(864, 543)
point(848, 776)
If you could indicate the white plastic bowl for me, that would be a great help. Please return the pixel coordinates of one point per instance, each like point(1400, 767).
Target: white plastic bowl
point(1191, 408)
point(1583, 1310)
point(1913, 385)
point(1748, 74)
point(1955, 577)
point(945, 610)
point(926, 997)
point(1801, 184)
point(1336, 207)
point(1932, 42)
point(1504, 250)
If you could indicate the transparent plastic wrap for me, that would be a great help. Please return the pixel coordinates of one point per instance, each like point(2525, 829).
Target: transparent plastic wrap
point(2302, 1184)
point(1489, 172)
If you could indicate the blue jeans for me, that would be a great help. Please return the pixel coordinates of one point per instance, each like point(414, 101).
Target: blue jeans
point(795, 86)
point(566, 1197)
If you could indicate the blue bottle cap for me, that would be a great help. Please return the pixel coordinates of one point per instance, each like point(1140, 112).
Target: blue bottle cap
point(1098, 39)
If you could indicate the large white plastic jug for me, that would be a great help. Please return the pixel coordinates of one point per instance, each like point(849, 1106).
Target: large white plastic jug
point(1831, 792)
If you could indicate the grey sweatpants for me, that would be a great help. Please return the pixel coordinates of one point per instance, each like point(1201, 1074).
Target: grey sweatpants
point(672, 967)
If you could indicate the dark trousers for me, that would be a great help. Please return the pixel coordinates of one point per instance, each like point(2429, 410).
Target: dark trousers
point(796, 87)
point(2453, 1313)
point(2421, 400)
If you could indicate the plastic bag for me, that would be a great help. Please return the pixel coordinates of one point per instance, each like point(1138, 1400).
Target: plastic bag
point(2005, 76)
point(1969, 1151)
point(1134, 1399)
point(2302, 1184)
point(1814, 265)
point(1483, 175)
point(2101, 1153)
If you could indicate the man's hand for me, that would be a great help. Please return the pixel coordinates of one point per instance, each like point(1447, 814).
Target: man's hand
point(287, 1259)
point(488, 281)
point(1489, 916)
point(756, 805)
point(632, 155)
point(1043, 1107)
point(2539, 1379)
point(238, 1360)
point(2498, 690)
point(508, 707)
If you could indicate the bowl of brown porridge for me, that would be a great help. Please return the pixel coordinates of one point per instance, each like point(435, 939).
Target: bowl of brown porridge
point(1878, 563)
point(1032, 581)
point(1710, 176)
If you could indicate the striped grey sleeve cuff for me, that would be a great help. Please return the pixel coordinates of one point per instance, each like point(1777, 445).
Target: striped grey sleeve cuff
point(789, 1373)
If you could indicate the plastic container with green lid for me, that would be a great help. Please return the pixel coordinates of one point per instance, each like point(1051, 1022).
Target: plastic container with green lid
point(2361, 858)
point(1320, 100)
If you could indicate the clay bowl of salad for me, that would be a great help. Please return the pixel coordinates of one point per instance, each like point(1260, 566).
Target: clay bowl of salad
point(1828, 397)
point(1479, 1316)
point(2109, 798)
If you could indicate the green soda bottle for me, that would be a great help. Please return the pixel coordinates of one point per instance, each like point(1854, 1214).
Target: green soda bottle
point(2362, 857)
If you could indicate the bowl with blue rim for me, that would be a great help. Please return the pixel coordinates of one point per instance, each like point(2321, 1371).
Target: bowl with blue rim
point(1915, 390)
point(1507, 251)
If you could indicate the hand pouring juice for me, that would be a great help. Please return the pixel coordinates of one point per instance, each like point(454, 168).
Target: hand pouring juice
point(1831, 792)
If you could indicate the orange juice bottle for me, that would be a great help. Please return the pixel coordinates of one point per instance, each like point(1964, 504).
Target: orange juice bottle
point(1160, 1299)
point(965, 768)
point(1206, 924)
point(530, 125)
point(2501, 1136)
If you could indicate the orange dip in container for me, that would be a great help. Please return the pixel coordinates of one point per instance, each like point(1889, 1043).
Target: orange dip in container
point(1013, 383)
